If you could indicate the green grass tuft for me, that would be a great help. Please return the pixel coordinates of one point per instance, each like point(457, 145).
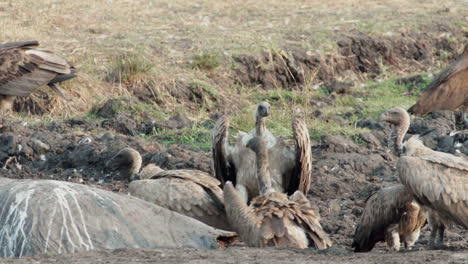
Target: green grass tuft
point(197, 137)
point(127, 65)
point(205, 60)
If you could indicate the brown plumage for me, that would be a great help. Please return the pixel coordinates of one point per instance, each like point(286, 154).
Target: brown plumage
point(438, 180)
point(272, 219)
point(290, 166)
point(24, 67)
point(391, 215)
point(275, 220)
point(448, 91)
point(189, 192)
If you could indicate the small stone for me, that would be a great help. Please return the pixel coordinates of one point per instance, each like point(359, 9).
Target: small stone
point(39, 147)
point(334, 206)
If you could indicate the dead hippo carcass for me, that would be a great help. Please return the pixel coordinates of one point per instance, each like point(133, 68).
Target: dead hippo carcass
point(38, 216)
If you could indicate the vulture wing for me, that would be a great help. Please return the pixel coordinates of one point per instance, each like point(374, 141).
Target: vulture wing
point(283, 220)
point(23, 69)
point(199, 177)
point(448, 91)
point(300, 177)
point(439, 181)
point(192, 193)
point(223, 165)
point(311, 221)
point(20, 44)
point(382, 209)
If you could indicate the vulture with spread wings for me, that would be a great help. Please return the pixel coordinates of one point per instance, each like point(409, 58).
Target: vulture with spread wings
point(24, 67)
point(448, 91)
point(290, 166)
point(272, 218)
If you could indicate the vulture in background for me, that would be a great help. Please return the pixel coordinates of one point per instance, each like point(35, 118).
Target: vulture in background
point(437, 180)
point(24, 67)
point(290, 166)
point(391, 215)
point(189, 192)
point(273, 219)
point(448, 91)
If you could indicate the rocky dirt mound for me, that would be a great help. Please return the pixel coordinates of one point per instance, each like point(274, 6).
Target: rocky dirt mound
point(359, 57)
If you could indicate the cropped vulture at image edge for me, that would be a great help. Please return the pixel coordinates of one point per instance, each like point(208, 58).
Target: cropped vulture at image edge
point(24, 67)
point(438, 180)
point(448, 91)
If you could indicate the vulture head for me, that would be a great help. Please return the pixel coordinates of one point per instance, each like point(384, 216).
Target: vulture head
point(400, 119)
point(263, 109)
point(127, 161)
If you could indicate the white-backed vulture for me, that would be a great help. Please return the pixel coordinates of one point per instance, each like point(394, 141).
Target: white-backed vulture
point(391, 215)
point(189, 192)
point(438, 180)
point(290, 166)
point(272, 219)
point(448, 91)
point(24, 67)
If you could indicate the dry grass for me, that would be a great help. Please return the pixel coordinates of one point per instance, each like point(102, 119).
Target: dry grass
point(176, 38)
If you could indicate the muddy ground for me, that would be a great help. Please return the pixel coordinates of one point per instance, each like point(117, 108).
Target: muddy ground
point(345, 173)
point(247, 255)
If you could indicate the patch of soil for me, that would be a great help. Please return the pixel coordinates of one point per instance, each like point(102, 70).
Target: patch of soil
point(270, 70)
point(247, 255)
point(359, 57)
point(38, 103)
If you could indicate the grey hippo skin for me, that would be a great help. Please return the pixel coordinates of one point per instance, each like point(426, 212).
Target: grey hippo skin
point(38, 216)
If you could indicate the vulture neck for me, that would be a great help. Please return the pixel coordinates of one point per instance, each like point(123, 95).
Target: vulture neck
point(399, 133)
point(239, 214)
point(133, 167)
point(261, 153)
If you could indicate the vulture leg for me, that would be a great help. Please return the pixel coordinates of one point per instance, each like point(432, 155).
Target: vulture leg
point(436, 239)
point(439, 243)
point(393, 238)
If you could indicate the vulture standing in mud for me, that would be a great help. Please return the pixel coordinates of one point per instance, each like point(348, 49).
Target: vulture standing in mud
point(437, 180)
point(189, 192)
point(24, 67)
point(391, 215)
point(272, 219)
point(290, 167)
point(448, 91)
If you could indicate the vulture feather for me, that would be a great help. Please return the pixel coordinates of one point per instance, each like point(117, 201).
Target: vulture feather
point(24, 67)
point(189, 192)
